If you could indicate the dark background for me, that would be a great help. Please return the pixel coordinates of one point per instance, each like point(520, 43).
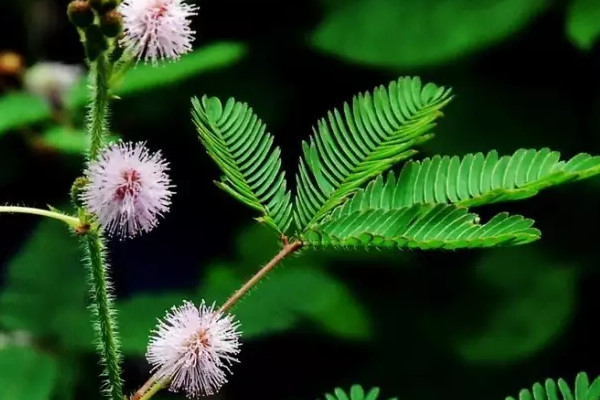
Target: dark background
point(533, 88)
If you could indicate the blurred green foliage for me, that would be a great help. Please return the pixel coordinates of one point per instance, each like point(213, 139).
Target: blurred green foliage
point(406, 33)
point(534, 300)
point(582, 22)
point(69, 141)
point(144, 77)
point(21, 109)
point(26, 373)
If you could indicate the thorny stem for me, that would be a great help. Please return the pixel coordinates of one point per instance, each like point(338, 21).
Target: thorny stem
point(97, 116)
point(288, 248)
point(103, 314)
point(151, 386)
point(69, 220)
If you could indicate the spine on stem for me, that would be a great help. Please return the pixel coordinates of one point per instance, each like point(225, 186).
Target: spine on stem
point(103, 314)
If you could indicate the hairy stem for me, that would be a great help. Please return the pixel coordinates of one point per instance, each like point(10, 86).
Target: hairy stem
point(287, 249)
point(150, 388)
point(153, 390)
point(69, 220)
point(97, 115)
point(103, 315)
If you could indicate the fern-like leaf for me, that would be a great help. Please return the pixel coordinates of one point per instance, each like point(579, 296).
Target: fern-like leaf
point(423, 226)
point(474, 180)
point(351, 147)
point(356, 393)
point(560, 390)
point(237, 141)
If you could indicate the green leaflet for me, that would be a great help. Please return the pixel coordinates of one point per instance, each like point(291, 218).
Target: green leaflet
point(356, 393)
point(472, 180)
point(560, 390)
point(423, 226)
point(347, 149)
point(237, 141)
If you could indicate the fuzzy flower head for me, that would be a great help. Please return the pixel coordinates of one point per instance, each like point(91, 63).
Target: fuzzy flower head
point(193, 348)
point(158, 29)
point(128, 189)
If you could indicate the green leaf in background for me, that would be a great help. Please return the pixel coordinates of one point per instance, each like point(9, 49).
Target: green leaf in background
point(138, 317)
point(69, 141)
point(533, 300)
point(583, 22)
point(45, 291)
point(356, 393)
point(408, 33)
point(290, 294)
point(26, 373)
point(19, 109)
point(145, 77)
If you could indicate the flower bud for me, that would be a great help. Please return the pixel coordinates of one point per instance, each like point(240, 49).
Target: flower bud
point(96, 4)
point(95, 42)
point(103, 6)
point(77, 190)
point(111, 24)
point(80, 13)
point(108, 5)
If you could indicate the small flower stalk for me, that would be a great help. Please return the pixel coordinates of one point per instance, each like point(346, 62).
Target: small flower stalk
point(157, 30)
point(127, 189)
point(193, 349)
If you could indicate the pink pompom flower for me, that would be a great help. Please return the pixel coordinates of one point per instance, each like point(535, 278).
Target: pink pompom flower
point(158, 29)
point(193, 348)
point(128, 189)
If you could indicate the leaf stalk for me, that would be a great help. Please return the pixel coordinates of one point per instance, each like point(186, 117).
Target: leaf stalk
point(288, 248)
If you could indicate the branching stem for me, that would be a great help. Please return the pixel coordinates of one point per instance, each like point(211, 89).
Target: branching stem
point(288, 248)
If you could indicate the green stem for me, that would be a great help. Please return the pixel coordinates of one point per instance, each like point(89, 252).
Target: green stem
point(103, 314)
point(153, 389)
point(69, 220)
point(97, 116)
